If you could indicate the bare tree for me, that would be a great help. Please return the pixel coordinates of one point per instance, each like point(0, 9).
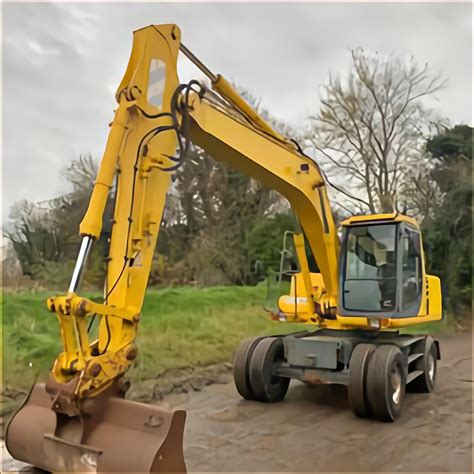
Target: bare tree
point(45, 234)
point(80, 174)
point(214, 209)
point(371, 131)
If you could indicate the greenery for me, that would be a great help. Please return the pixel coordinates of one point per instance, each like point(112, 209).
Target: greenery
point(45, 235)
point(448, 232)
point(181, 327)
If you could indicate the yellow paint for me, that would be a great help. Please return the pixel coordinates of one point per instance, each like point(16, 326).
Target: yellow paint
point(391, 217)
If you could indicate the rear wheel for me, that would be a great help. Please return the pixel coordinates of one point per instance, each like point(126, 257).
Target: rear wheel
point(266, 385)
point(386, 380)
point(241, 369)
point(357, 391)
point(425, 382)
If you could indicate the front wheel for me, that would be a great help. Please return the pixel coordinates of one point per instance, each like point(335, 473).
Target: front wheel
point(357, 389)
point(386, 381)
point(266, 385)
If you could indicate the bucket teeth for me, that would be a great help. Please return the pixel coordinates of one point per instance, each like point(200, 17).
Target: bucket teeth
point(126, 437)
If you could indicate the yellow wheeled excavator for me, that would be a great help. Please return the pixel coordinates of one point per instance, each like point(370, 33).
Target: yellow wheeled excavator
point(367, 284)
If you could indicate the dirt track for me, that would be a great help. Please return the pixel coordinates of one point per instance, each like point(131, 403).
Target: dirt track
point(313, 429)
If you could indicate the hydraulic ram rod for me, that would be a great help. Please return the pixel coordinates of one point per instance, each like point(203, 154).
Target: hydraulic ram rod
point(225, 88)
point(86, 245)
point(199, 64)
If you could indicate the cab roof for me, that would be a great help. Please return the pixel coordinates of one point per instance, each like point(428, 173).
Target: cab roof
point(373, 218)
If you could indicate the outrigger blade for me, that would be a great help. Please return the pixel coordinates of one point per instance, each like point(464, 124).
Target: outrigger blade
point(121, 436)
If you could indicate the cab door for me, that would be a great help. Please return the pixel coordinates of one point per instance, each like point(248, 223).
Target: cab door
point(411, 271)
point(381, 270)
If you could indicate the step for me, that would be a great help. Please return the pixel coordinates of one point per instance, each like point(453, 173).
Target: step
point(413, 375)
point(414, 356)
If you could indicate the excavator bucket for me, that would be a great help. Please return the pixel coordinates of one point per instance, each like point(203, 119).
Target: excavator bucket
point(111, 435)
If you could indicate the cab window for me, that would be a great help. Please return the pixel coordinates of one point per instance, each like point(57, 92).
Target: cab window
point(370, 282)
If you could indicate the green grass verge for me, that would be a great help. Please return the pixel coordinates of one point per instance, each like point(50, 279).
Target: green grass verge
point(180, 327)
point(446, 326)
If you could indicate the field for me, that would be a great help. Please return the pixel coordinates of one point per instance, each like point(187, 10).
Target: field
point(180, 328)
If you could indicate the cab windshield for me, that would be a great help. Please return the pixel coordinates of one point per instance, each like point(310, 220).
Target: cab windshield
point(370, 282)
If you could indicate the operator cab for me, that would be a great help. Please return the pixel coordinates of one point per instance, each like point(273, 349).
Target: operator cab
point(381, 267)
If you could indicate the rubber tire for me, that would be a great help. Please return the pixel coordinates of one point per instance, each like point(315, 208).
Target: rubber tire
point(241, 366)
point(357, 388)
point(423, 383)
point(379, 390)
point(268, 388)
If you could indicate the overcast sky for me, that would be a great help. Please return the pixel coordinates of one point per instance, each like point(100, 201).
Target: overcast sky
point(62, 63)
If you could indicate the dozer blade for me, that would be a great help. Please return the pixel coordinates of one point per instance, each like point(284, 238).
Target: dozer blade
point(117, 435)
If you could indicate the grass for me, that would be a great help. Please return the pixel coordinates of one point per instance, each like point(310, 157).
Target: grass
point(445, 326)
point(180, 327)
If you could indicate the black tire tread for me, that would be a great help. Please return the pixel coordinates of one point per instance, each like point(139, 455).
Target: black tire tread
point(377, 384)
point(267, 351)
point(357, 388)
point(241, 367)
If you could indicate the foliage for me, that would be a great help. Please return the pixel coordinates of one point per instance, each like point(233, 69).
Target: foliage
point(448, 233)
point(264, 243)
point(371, 126)
point(45, 235)
point(210, 212)
point(58, 274)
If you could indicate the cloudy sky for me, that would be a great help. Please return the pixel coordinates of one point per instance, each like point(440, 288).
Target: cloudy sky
point(63, 61)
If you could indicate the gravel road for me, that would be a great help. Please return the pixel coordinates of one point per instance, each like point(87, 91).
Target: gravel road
point(313, 430)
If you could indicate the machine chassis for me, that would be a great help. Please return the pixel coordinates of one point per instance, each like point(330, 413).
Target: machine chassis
point(376, 366)
point(323, 356)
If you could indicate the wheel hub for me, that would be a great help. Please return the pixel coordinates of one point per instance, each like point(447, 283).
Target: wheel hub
point(431, 367)
point(396, 382)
